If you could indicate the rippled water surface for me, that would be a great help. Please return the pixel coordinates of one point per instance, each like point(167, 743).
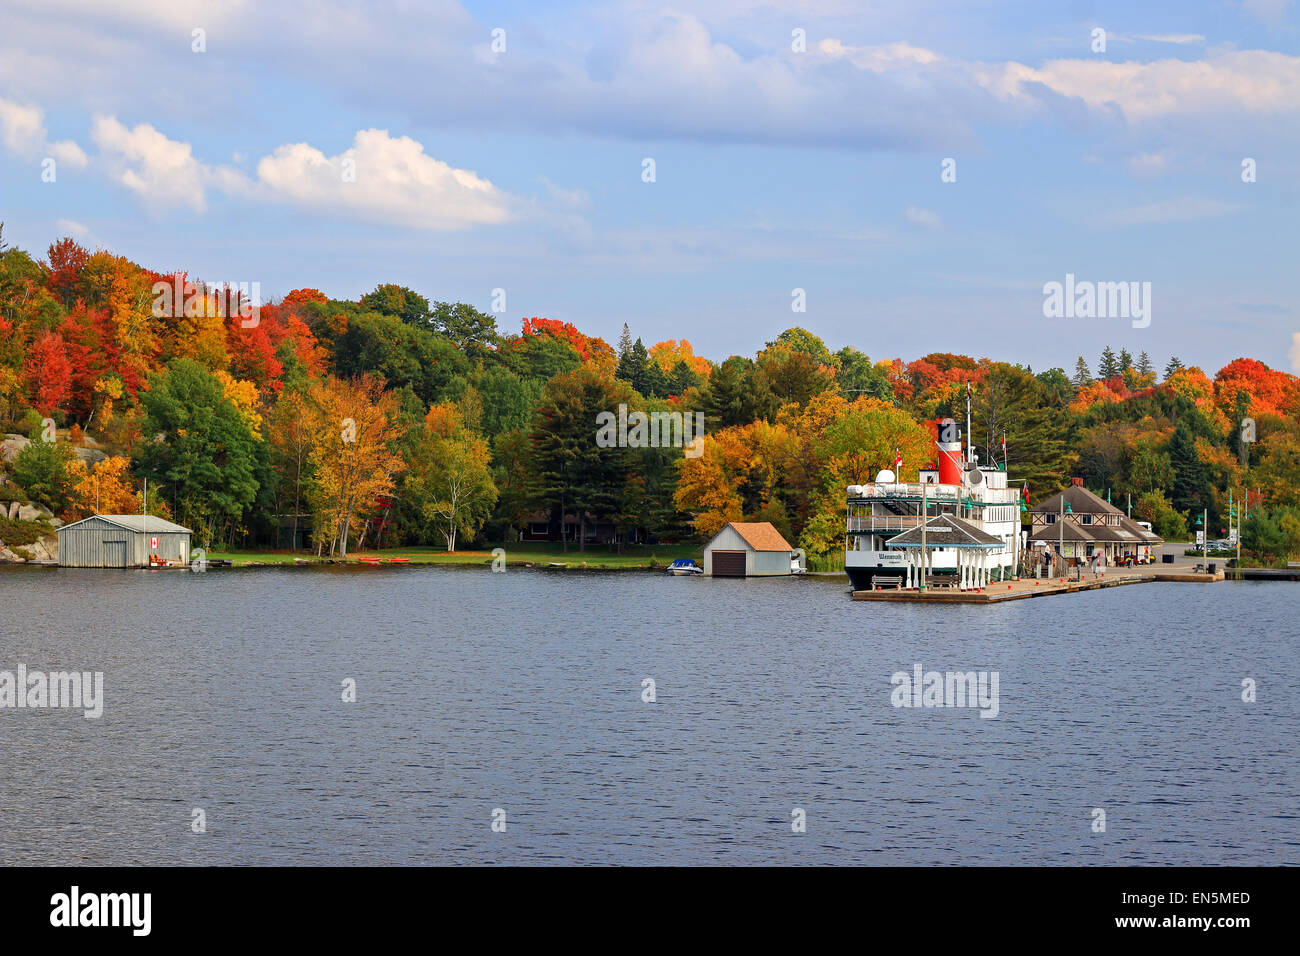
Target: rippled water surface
point(523, 691)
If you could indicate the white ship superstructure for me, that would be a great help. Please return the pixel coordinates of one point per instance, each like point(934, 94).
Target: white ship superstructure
point(969, 536)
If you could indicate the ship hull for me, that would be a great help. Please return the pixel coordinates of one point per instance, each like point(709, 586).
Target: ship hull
point(863, 578)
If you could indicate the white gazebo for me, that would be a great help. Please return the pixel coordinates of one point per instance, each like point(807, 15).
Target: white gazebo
point(948, 546)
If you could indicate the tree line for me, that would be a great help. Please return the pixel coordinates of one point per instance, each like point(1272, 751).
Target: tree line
point(338, 425)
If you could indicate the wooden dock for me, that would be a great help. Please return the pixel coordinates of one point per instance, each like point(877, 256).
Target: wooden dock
point(1000, 591)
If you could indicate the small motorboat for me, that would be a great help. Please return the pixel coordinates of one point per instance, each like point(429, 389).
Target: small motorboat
point(684, 566)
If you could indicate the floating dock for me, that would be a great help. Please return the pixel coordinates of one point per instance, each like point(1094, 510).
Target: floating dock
point(1000, 591)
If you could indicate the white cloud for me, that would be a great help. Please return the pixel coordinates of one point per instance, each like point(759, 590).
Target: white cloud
point(921, 217)
point(22, 130)
point(1255, 82)
point(383, 179)
point(1180, 38)
point(1148, 164)
point(1186, 209)
point(635, 71)
point(162, 171)
point(171, 16)
point(396, 183)
point(73, 228)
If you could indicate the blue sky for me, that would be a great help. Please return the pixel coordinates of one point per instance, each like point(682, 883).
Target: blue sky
point(775, 169)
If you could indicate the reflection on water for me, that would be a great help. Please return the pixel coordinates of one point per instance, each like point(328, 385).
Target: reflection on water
point(523, 691)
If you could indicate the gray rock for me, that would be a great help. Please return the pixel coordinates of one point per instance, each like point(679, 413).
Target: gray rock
point(30, 513)
point(13, 446)
point(42, 552)
point(13, 510)
point(90, 456)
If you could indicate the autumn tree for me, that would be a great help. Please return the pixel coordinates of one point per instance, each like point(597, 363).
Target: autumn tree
point(352, 456)
point(48, 373)
point(450, 475)
point(105, 487)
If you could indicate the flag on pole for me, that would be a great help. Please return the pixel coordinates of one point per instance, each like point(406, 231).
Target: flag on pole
point(898, 459)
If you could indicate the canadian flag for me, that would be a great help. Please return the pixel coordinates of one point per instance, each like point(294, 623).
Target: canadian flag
point(898, 461)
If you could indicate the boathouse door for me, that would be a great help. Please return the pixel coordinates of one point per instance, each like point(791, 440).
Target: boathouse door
point(114, 554)
point(728, 564)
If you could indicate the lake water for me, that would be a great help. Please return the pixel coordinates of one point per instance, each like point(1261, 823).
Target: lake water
point(523, 691)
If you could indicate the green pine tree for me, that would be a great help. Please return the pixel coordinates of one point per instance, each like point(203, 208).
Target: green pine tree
point(1108, 367)
point(1082, 374)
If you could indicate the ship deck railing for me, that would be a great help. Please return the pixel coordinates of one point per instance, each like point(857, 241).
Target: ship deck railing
point(913, 490)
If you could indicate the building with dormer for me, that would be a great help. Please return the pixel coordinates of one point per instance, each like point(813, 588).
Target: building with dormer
point(1078, 524)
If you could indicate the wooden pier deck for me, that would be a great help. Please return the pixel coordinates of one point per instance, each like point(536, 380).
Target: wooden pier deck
point(1000, 591)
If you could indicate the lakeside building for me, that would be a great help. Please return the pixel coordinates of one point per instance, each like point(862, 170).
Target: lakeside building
point(1075, 524)
point(748, 549)
point(122, 541)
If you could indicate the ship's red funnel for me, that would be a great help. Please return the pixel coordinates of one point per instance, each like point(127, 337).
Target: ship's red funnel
point(949, 452)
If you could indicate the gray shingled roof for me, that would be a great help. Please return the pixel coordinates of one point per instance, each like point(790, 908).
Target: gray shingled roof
point(945, 531)
point(135, 523)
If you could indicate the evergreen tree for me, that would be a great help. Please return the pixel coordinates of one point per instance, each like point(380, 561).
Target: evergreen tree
point(1108, 367)
point(1082, 374)
point(578, 477)
point(634, 366)
point(1191, 490)
point(1125, 361)
point(1010, 401)
point(1144, 366)
point(624, 342)
point(737, 395)
point(1174, 365)
point(682, 377)
point(653, 382)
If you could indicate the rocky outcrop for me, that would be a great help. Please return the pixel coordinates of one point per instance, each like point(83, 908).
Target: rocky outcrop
point(89, 456)
point(44, 551)
point(12, 446)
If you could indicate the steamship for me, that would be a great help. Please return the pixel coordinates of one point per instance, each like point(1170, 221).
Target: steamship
point(969, 535)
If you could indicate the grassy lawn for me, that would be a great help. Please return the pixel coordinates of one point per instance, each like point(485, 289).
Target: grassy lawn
point(518, 554)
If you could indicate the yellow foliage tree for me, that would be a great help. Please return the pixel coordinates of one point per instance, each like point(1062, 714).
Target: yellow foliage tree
point(244, 397)
point(352, 455)
point(105, 487)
